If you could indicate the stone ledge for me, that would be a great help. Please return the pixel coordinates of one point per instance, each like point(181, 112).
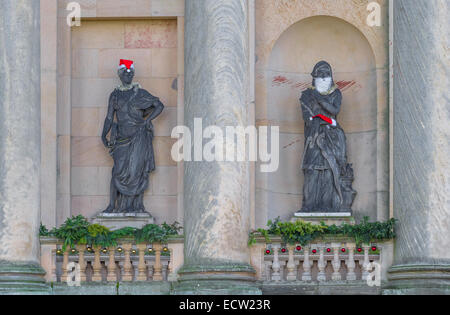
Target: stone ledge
point(121, 288)
point(315, 288)
point(22, 278)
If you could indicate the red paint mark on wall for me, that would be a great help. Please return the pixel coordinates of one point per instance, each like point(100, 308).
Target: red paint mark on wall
point(278, 80)
point(302, 85)
point(345, 85)
point(292, 143)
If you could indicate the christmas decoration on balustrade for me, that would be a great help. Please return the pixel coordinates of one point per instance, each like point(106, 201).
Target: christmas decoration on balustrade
point(303, 233)
point(78, 231)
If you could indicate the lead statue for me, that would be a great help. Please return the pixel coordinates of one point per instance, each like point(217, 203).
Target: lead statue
point(328, 176)
point(129, 121)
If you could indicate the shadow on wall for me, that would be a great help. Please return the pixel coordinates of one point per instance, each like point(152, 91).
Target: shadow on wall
point(292, 59)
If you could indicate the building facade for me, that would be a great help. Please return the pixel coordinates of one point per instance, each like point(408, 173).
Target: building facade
point(231, 63)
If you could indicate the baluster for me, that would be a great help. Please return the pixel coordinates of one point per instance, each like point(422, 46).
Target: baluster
point(53, 277)
point(97, 267)
point(112, 275)
point(142, 267)
point(65, 275)
point(336, 276)
point(127, 275)
point(157, 271)
point(306, 265)
point(276, 263)
point(351, 275)
point(165, 270)
point(151, 270)
point(291, 274)
point(366, 264)
point(82, 262)
point(172, 274)
point(267, 269)
point(321, 276)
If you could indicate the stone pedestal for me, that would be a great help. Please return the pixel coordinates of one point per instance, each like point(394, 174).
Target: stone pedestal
point(328, 218)
point(421, 148)
point(216, 194)
point(116, 221)
point(20, 154)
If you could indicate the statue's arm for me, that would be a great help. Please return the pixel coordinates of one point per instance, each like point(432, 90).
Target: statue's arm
point(332, 104)
point(109, 120)
point(155, 110)
point(152, 106)
point(305, 102)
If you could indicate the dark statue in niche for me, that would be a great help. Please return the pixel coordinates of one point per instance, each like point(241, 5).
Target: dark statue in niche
point(129, 121)
point(328, 176)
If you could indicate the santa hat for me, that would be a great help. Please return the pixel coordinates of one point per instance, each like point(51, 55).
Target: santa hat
point(128, 64)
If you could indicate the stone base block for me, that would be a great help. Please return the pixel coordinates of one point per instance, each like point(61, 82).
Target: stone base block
point(337, 218)
point(226, 279)
point(20, 278)
point(314, 288)
point(122, 288)
point(116, 221)
point(418, 280)
point(214, 287)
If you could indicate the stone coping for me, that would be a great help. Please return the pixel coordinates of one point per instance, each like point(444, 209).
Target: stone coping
point(323, 215)
point(123, 215)
point(48, 240)
point(332, 238)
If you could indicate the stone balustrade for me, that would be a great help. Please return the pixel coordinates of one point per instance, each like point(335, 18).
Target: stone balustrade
point(329, 260)
point(126, 262)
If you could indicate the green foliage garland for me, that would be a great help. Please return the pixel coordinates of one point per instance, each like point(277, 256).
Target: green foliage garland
point(78, 230)
point(301, 232)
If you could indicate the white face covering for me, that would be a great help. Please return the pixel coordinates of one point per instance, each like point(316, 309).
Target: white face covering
point(323, 85)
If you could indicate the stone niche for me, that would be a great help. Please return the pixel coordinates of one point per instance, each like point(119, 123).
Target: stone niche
point(96, 48)
point(282, 74)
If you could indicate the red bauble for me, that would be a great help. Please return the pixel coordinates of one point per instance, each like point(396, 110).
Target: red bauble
point(359, 250)
point(328, 250)
point(374, 248)
point(314, 251)
point(268, 251)
point(299, 248)
point(343, 250)
point(283, 250)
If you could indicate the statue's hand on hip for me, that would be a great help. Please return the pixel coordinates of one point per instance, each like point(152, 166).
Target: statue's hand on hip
point(106, 143)
point(149, 125)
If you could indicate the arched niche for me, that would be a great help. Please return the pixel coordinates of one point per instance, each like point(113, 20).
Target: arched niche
point(291, 61)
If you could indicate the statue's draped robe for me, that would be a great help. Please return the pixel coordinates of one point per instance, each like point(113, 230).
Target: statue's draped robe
point(132, 149)
point(324, 153)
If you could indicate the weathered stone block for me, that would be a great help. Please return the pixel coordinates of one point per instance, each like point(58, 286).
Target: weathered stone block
point(164, 62)
point(151, 34)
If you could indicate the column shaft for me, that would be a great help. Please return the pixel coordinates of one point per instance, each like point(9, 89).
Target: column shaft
point(216, 194)
point(20, 145)
point(421, 144)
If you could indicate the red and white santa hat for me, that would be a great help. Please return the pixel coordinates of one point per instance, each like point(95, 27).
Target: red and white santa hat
point(127, 64)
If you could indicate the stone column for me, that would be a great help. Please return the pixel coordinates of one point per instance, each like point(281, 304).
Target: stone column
point(20, 121)
point(421, 147)
point(216, 194)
